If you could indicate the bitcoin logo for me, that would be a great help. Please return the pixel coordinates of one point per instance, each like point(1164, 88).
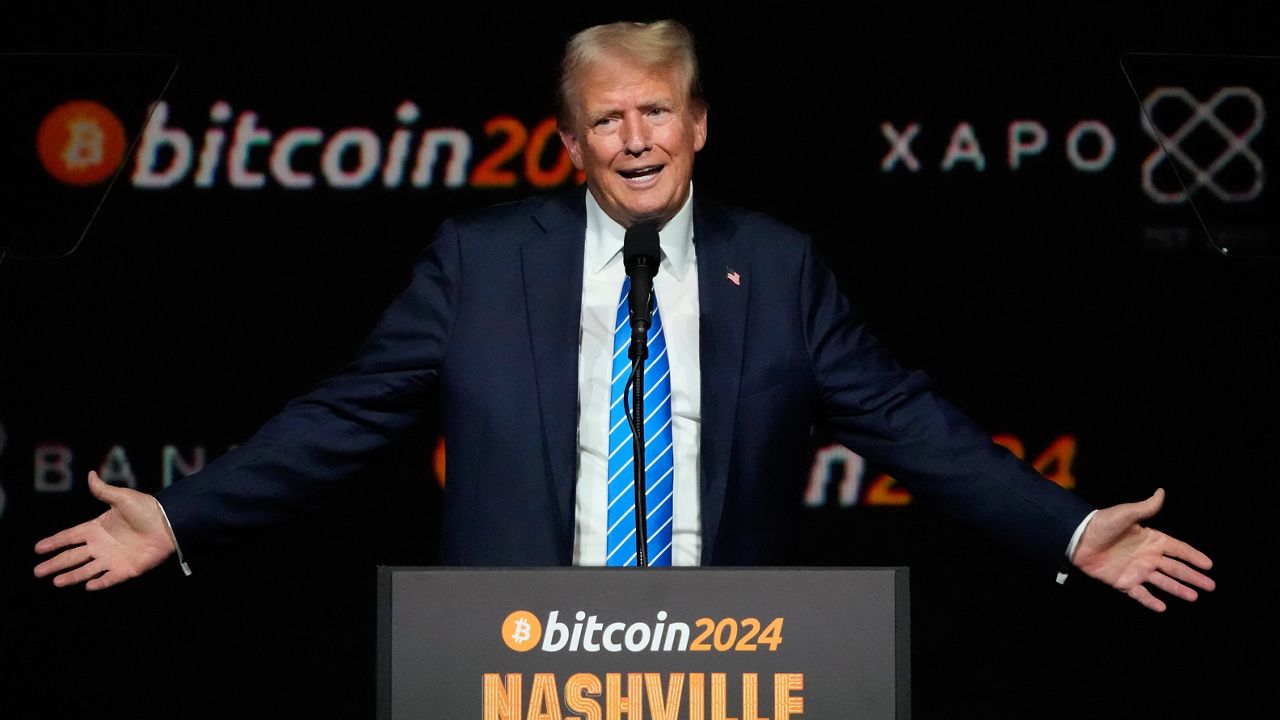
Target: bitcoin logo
point(84, 145)
point(521, 631)
point(81, 143)
point(1203, 169)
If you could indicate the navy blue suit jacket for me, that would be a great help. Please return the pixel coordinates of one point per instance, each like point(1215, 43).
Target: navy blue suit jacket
point(490, 326)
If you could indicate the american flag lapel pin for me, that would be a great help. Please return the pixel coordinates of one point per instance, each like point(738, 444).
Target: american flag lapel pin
point(732, 276)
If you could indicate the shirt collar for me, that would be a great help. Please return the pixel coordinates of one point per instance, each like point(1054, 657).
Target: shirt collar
point(605, 235)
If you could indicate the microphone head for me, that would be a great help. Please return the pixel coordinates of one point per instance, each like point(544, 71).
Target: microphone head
point(640, 247)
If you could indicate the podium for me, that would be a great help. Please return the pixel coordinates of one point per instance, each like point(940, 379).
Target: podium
point(655, 643)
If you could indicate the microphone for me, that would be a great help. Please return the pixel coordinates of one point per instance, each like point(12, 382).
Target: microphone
point(640, 256)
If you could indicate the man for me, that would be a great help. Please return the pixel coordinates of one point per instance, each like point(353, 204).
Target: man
point(510, 320)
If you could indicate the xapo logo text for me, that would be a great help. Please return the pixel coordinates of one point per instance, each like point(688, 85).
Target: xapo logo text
point(1090, 146)
point(521, 631)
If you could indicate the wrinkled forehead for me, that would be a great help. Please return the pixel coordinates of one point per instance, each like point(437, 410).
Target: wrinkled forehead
point(602, 80)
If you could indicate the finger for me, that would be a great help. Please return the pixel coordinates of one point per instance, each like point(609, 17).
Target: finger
point(70, 536)
point(106, 580)
point(1179, 571)
point(1144, 596)
point(1123, 515)
point(108, 494)
point(1173, 587)
point(81, 574)
point(66, 559)
point(1176, 548)
point(1148, 508)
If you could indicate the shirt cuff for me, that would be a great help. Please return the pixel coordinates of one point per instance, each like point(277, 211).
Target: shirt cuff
point(186, 569)
point(1075, 540)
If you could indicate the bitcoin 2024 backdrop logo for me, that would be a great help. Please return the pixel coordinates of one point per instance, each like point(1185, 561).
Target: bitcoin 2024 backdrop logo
point(81, 143)
point(1207, 143)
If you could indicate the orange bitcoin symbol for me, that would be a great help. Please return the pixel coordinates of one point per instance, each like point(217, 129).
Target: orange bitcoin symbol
point(521, 631)
point(81, 143)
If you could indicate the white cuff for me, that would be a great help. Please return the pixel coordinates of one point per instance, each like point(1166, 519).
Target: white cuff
point(1075, 540)
point(186, 570)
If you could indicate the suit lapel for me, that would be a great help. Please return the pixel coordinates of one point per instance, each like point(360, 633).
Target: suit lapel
point(553, 300)
point(722, 329)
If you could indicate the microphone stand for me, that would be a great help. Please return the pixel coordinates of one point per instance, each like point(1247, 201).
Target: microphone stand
point(638, 353)
point(641, 250)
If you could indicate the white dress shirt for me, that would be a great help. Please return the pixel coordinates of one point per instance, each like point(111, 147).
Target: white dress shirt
point(676, 287)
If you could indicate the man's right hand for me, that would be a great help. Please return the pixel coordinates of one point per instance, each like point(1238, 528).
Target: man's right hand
point(130, 538)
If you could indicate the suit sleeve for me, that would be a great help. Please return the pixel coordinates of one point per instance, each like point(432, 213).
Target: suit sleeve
point(893, 418)
point(318, 439)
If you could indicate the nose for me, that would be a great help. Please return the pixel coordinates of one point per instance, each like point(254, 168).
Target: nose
point(635, 135)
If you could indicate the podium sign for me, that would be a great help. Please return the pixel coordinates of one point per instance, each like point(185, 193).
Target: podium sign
point(657, 644)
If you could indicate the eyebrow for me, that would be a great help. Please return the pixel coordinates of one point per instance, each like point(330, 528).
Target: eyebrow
point(665, 102)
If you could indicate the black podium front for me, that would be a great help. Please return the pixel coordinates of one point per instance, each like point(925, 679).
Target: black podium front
point(660, 644)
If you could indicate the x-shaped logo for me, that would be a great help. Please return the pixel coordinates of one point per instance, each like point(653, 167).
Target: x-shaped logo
point(1170, 144)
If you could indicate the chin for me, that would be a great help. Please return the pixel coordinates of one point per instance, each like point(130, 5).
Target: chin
point(651, 211)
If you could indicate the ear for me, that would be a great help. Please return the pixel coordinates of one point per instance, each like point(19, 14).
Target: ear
point(699, 130)
point(571, 144)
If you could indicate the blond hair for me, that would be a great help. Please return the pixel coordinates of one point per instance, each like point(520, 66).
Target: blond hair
point(665, 44)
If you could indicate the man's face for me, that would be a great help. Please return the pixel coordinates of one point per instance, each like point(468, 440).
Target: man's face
point(634, 133)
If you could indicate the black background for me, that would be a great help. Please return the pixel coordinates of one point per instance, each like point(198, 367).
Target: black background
point(1035, 299)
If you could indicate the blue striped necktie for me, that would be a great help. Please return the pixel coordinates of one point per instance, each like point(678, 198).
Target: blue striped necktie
point(659, 451)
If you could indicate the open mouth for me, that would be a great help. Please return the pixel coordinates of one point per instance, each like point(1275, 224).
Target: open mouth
point(641, 172)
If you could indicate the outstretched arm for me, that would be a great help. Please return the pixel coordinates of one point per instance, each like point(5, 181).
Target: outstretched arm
point(892, 417)
point(1117, 550)
point(130, 538)
point(302, 453)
